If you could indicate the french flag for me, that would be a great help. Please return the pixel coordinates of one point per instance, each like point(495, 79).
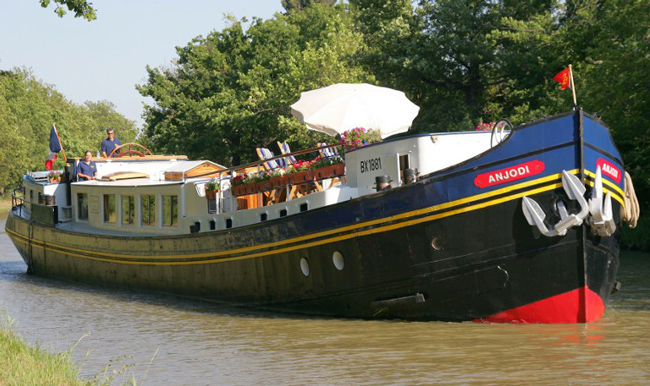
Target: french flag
point(55, 147)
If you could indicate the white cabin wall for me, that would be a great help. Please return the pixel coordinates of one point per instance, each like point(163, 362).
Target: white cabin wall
point(452, 148)
point(427, 153)
point(96, 207)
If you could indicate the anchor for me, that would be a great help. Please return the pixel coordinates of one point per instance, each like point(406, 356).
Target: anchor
point(601, 220)
point(575, 190)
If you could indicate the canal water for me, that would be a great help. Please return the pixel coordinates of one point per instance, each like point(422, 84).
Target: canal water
point(165, 340)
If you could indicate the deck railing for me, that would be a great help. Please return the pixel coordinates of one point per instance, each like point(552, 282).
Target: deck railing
point(18, 201)
point(270, 191)
point(259, 164)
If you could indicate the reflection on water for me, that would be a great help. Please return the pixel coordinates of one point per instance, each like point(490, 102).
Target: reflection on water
point(198, 343)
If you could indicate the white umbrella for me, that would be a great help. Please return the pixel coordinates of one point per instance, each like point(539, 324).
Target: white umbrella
point(344, 106)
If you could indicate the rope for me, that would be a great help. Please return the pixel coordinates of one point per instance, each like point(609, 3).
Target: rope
point(630, 213)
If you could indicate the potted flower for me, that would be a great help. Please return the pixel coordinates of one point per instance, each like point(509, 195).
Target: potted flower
point(250, 184)
point(237, 185)
point(485, 126)
point(263, 180)
point(279, 178)
point(54, 176)
point(211, 188)
point(300, 172)
point(328, 167)
point(358, 137)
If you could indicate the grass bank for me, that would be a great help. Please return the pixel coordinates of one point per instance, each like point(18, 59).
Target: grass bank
point(25, 365)
point(21, 364)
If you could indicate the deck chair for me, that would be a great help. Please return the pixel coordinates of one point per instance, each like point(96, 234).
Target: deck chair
point(330, 152)
point(265, 153)
point(284, 149)
point(273, 196)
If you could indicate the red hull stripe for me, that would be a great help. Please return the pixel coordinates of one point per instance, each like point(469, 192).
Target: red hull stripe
point(581, 305)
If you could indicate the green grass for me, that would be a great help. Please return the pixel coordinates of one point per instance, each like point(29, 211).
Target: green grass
point(21, 364)
point(25, 365)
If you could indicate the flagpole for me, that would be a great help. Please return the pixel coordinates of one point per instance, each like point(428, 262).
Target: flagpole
point(65, 159)
point(573, 86)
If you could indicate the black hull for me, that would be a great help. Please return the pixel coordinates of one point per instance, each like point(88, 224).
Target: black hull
point(396, 274)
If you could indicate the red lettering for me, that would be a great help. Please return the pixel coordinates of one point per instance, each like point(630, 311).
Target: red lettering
point(609, 170)
point(511, 173)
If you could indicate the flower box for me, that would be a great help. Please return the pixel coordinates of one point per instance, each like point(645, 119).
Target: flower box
point(280, 181)
point(301, 177)
point(250, 188)
point(264, 186)
point(211, 194)
point(330, 171)
point(238, 190)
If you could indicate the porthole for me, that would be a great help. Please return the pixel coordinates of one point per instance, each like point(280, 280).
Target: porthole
point(304, 266)
point(338, 260)
point(436, 244)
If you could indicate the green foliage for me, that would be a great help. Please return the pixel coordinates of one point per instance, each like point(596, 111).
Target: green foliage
point(81, 8)
point(462, 61)
point(29, 107)
point(617, 83)
point(299, 5)
point(21, 364)
point(229, 92)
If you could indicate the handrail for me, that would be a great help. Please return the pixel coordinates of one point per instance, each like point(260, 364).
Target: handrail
point(15, 199)
point(129, 145)
point(260, 162)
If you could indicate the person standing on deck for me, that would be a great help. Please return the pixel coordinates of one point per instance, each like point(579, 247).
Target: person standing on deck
point(110, 143)
point(86, 169)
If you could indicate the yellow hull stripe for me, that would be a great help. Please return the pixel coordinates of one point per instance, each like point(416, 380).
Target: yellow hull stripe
point(301, 246)
point(605, 182)
point(110, 256)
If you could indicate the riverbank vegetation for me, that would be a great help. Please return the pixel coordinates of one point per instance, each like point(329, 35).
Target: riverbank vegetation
point(29, 107)
point(463, 62)
point(26, 365)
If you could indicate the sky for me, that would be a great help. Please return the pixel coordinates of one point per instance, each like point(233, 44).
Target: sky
point(104, 59)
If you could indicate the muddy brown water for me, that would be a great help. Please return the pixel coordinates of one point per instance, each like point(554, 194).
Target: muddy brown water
point(173, 341)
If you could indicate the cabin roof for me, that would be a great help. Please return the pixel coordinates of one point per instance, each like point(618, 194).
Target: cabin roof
point(128, 182)
point(181, 167)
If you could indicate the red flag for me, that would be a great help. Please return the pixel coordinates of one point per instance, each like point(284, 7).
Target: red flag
point(55, 147)
point(563, 77)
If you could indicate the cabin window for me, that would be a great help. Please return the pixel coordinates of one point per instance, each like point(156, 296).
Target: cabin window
point(148, 209)
point(109, 208)
point(170, 211)
point(31, 196)
point(82, 206)
point(128, 210)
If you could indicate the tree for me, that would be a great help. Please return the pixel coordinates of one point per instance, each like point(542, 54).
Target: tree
point(29, 107)
point(444, 56)
point(616, 81)
point(81, 8)
point(230, 92)
point(299, 5)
